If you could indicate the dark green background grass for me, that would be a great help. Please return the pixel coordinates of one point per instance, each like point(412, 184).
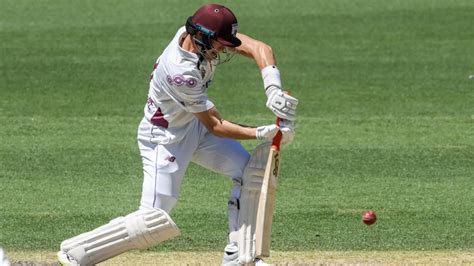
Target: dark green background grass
point(386, 120)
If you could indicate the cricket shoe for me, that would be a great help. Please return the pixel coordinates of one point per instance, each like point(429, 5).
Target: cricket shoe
point(231, 255)
point(235, 262)
point(3, 259)
point(65, 260)
point(260, 262)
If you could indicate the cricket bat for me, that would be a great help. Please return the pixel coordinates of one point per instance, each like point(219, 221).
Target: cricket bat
point(266, 204)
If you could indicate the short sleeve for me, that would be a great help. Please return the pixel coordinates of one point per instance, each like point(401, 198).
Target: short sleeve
point(190, 92)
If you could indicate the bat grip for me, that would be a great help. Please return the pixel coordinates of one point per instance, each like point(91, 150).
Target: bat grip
point(277, 139)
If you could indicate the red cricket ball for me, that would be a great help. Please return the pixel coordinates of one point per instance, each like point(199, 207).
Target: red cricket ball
point(369, 217)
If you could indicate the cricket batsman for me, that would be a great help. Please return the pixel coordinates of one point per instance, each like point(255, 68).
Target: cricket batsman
point(182, 125)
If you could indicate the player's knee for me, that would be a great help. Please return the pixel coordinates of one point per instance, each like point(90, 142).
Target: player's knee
point(146, 227)
point(241, 164)
point(160, 201)
point(236, 161)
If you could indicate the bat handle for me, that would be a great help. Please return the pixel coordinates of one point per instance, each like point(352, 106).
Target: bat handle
point(277, 139)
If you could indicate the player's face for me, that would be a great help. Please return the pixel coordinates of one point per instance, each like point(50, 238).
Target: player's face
point(217, 48)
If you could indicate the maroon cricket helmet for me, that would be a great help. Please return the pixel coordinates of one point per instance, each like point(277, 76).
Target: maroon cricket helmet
point(217, 22)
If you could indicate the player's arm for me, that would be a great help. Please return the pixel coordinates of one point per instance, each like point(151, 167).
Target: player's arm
point(281, 104)
point(261, 52)
point(226, 129)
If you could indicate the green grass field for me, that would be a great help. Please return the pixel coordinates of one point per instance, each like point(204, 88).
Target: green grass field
point(386, 121)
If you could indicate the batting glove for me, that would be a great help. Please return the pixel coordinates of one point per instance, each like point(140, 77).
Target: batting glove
point(287, 129)
point(267, 132)
point(281, 104)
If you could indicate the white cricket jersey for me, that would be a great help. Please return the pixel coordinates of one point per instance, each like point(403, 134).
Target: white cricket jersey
point(178, 88)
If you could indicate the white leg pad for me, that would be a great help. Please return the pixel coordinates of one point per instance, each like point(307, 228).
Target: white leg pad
point(251, 186)
point(138, 230)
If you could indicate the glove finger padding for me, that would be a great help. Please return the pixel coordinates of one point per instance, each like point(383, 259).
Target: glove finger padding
point(284, 123)
point(287, 129)
point(281, 104)
point(287, 136)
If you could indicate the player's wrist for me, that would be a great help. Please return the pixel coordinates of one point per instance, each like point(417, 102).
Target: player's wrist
point(271, 79)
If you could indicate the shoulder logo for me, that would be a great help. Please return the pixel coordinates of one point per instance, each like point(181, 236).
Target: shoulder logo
point(180, 80)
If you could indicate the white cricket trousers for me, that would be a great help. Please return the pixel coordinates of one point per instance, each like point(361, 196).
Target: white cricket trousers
point(164, 165)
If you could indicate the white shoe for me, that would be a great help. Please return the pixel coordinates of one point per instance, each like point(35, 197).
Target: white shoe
point(231, 255)
point(3, 259)
point(260, 262)
point(65, 260)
